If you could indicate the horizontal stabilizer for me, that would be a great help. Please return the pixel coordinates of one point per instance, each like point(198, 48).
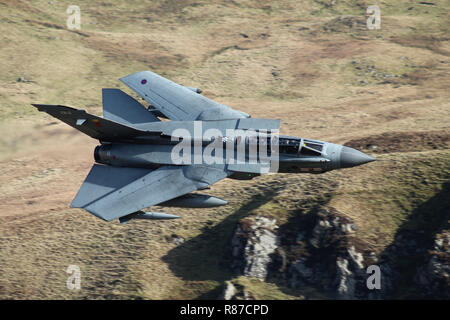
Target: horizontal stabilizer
point(93, 126)
point(122, 108)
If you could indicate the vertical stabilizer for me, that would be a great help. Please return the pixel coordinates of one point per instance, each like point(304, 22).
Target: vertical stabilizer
point(122, 108)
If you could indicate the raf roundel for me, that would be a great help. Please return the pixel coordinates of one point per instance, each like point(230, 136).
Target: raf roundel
point(143, 81)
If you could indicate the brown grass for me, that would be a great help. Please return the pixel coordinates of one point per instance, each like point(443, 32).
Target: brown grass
point(286, 66)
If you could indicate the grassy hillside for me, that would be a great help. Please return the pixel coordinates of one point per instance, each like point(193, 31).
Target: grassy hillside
point(312, 64)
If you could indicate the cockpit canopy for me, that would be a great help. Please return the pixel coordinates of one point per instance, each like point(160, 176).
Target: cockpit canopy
point(313, 148)
point(289, 145)
point(294, 145)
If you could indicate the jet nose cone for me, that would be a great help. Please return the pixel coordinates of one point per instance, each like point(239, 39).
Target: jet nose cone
point(351, 157)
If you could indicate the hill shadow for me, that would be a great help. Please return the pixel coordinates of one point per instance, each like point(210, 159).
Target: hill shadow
point(293, 236)
point(207, 256)
point(412, 242)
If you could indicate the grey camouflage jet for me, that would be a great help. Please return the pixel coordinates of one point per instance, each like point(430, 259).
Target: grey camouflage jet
point(136, 162)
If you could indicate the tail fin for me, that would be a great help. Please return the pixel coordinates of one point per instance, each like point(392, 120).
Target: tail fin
point(121, 108)
point(93, 126)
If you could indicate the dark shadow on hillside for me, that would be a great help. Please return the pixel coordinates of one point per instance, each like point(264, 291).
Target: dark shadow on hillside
point(399, 261)
point(207, 256)
point(412, 243)
point(293, 240)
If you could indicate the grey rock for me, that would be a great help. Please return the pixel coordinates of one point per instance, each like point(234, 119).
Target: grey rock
point(347, 227)
point(177, 240)
point(356, 257)
point(229, 291)
point(252, 248)
point(319, 233)
point(345, 280)
point(438, 244)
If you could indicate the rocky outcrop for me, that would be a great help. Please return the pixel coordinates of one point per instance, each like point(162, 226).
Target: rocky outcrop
point(253, 243)
point(345, 279)
point(331, 260)
point(434, 276)
point(328, 258)
point(416, 265)
point(330, 227)
point(323, 252)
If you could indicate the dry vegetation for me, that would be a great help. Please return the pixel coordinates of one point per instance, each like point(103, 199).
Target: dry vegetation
point(325, 76)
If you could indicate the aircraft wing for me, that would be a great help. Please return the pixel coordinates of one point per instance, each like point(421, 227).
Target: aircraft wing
point(178, 102)
point(112, 192)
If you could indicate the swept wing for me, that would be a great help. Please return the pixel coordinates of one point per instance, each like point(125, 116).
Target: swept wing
point(178, 102)
point(112, 192)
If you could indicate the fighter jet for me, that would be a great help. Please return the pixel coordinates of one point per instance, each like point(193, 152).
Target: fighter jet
point(144, 160)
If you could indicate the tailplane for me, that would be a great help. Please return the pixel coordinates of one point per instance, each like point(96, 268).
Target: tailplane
point(93, 126)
